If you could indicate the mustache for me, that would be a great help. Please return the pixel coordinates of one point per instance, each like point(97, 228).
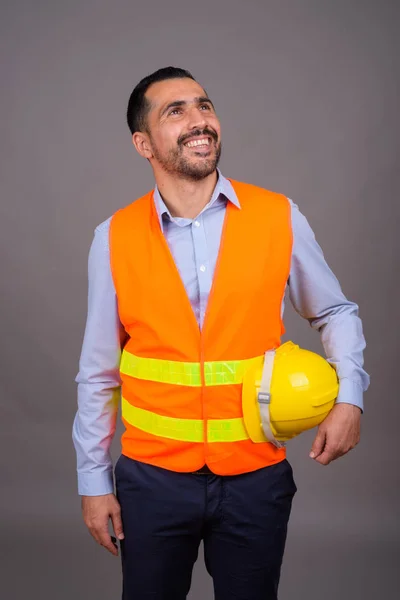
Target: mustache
point(197, 133)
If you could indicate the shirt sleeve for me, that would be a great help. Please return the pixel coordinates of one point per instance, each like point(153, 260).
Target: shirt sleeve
point(316, 295)
point(99, 384)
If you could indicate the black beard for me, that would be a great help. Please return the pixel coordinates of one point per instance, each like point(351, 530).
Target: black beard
point(176, 164)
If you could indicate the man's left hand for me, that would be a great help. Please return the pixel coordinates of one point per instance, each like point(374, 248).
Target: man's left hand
point(338, 433)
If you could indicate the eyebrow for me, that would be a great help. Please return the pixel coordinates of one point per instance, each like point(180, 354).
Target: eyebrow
point(176, 103)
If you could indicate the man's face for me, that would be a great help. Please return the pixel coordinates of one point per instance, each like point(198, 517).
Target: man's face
point(183, 128)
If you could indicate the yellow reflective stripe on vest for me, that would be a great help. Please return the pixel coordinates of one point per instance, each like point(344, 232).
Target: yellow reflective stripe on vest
point(185, 373)
point(226, 430)
point(184, 430)
point(162, 371)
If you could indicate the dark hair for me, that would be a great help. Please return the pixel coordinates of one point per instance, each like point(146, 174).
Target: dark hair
point(138, 105)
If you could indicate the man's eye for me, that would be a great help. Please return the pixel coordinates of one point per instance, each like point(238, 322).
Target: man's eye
point(207, 106)
point(175, 110)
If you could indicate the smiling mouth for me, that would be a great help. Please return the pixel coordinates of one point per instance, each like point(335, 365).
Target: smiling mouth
point(200, 143)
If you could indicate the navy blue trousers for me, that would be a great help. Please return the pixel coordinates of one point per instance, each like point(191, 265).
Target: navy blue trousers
point(242, 520)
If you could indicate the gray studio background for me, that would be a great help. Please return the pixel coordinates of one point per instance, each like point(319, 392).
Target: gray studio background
point(308, 96)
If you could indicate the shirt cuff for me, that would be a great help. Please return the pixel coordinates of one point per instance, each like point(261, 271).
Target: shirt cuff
point(96, 484)
point(350, 392)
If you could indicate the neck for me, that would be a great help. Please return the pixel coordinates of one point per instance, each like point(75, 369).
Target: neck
point(183, 197)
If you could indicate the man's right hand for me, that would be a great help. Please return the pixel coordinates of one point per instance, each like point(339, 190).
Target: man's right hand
point(97, 510)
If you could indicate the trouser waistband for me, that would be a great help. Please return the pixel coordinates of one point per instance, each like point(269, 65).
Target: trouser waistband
point(204, 470)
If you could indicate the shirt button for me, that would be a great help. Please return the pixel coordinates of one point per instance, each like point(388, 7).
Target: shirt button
point(202, 268)
point(197, 223)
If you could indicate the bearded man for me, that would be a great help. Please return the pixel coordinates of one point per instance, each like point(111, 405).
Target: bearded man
point(184, 281)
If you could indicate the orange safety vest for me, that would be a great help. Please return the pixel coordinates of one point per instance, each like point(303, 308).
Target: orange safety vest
point(181, 386)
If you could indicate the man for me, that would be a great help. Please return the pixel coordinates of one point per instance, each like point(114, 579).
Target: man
point(181, 280)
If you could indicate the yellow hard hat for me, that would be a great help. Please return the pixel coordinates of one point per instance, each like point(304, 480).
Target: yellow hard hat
point(289, 391)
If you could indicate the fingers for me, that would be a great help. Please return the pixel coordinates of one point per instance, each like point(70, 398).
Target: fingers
point(117, 523)
point(103, 538)
point(97, 511)
point(326, 457)
point(333, 452)
point(319, 443)
point(337, 434)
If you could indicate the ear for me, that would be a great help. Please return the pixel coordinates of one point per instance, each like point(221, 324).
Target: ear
point(142, 144)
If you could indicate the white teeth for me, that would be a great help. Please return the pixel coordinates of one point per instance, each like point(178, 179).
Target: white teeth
point(204, 142)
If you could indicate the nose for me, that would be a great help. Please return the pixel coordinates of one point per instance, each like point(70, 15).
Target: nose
point(196, 118)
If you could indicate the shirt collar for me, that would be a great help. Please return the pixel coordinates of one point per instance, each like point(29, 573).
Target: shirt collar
point(223, 187)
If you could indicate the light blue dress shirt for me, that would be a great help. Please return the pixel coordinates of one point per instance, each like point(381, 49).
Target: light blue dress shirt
point(314, 292)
